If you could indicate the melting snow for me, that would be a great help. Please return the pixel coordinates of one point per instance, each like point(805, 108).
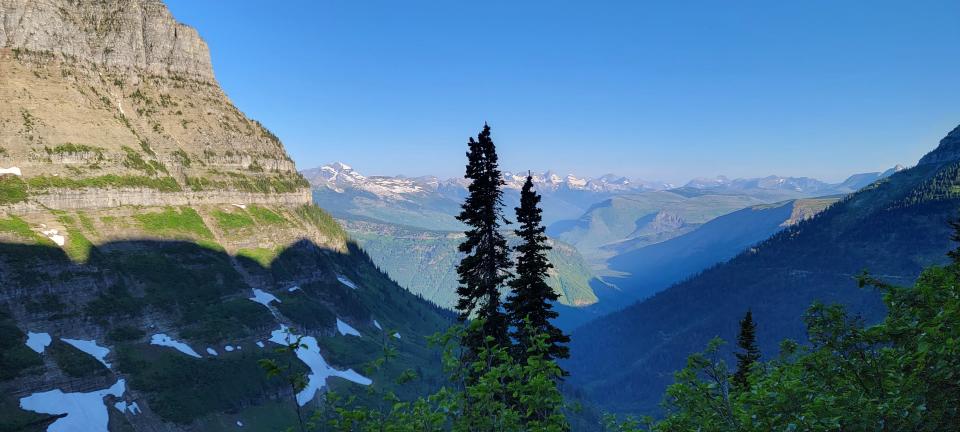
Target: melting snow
point(12, 170)
point(121, 406)
point(134, 408)
point(263, 297)
point(38, 341)
point(260, 344)
point(377, 325)
point(90, 347)
point(243, 206)
point(396, 335)
point(345, 329)
point(211, 351)
point(319, 369)
point(293, 288)
point(343, 279)
point(84, 411)
point(164, 340)
point(228, 348)
point(239, 423)
point(55, 235)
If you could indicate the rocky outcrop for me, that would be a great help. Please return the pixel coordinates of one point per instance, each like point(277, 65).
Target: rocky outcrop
point(947, 151)
point(88, 199)
point(125, 34)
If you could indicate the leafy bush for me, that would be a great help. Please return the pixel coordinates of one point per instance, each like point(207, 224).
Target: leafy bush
point(12, 189)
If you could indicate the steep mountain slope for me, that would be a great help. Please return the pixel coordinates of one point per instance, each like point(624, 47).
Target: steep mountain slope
point(642, 218)
point(409, 228)
point(155, 243)
point(893, 227)
point(649, 269)
point(425, 262)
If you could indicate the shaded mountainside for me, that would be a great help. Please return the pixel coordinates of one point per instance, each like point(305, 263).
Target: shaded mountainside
point(637, 220)
point(173, 278)
point(894, 227)
point(649, 269)
point(413, 237)
point(155, 243)
point(425, 262)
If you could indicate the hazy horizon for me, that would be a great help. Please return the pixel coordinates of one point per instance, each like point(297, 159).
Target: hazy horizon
point(663, 92)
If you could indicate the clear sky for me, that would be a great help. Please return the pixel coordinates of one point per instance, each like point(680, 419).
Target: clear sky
point(657, 90)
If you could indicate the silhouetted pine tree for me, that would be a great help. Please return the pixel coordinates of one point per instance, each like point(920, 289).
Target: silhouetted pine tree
point(955, 253)
point(529, 306)
point(486, 264)
point(747, 341)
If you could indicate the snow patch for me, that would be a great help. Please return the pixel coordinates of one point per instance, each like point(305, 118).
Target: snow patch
point(164, 340)
point(309, 353)
point(293, 288)
point(55, 235)
point(396, 335)
point(241, 206)
point(346, 329)
point(260, 344)
point(239, 423)
point(84, 411)
point(343, 279)
point(90, 347)
point(212, 351)
point(134, 408)
point(12, 170)
point(228, 348)
point(263, 297)
point(377, 325)
point(38, 341)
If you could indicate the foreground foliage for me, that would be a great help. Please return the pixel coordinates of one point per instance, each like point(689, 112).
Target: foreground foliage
point(902, 374)
point(490, 392)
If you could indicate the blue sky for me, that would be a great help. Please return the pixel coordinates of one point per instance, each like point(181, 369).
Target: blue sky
point(656, 90)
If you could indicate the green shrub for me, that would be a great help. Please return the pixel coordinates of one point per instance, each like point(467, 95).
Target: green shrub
point(12, 189)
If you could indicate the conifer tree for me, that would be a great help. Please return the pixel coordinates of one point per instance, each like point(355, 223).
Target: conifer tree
point(486, 264)
point(955, 236)
point(529, 306)
point(747, 342)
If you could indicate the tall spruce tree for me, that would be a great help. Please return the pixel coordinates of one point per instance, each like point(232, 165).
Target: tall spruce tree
point(529, 305)
point(750, 354)
point(486, 264)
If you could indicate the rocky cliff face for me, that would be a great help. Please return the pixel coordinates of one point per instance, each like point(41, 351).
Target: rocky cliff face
point(155, 243)
point(118, 95)
point(137, 36)
point(947, 151)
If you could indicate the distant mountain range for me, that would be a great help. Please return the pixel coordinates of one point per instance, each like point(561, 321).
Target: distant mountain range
point(606, 230)
point(893, 227)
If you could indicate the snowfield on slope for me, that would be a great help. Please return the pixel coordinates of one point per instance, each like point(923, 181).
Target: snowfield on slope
point(90, 347)
point(38, 341)
point(85, 412)
point(309, 353)
point(164, 340)
point(346, 329)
